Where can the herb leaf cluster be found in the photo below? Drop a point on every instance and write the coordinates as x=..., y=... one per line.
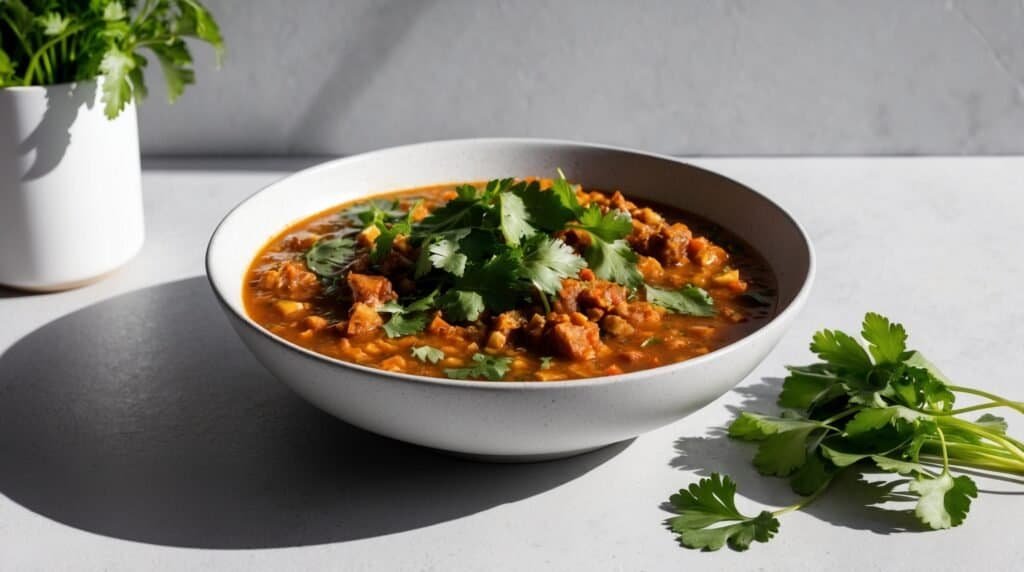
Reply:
x=880, y=406
x=44, y=42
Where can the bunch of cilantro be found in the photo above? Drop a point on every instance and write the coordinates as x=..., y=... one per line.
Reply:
x=44, y=42
x=493, y=249
x=884, y=406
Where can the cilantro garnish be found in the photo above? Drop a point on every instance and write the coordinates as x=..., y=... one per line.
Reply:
x=427, y=354
x=485, y=366
x=328, y=257
x=688, y=300
x=879, y=406
x=494, y=248
x=711, y=502
x=545, y=362
x=405, y=324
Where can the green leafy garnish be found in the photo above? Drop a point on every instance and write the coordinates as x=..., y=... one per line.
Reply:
x=546, y=261
x=883, y=407
x=328, y=257
x=405, y=324
x=708, y=518
x=545, y=362
x=608, y=254
x=688, y=300
x=45, y=43
x=427, y=354
x=485, y=367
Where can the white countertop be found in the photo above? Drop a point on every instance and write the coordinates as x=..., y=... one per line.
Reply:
x=136, y=433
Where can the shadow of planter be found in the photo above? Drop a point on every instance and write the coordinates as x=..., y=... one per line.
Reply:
x=144, y=418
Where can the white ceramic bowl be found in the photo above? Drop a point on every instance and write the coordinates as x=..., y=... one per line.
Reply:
x=510, y=420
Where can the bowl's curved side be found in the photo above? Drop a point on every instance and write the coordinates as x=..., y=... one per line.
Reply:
x=560, y=419
x=513, y=419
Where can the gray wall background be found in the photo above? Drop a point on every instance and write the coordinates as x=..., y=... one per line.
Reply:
x=690, y=77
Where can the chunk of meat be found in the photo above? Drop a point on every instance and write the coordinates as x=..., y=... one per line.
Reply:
x=506, y=322
x=579, y=296
x=370, y=290
x=575, y=341
x=601, y=294
x=439, y=327
x=640, y=315
x=362, y=319
x=668, y=244
x=291, y=280
x=617, y=326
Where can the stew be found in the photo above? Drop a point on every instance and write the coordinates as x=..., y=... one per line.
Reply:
x=515, y=280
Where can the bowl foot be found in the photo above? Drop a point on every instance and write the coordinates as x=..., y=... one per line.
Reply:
x=527, y=458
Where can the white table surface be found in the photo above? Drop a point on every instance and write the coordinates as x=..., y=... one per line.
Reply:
x=137, y=434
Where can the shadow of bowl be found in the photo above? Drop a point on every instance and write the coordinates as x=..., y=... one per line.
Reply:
x=144, y=418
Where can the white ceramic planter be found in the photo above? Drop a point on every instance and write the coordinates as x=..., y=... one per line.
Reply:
x=70, y=187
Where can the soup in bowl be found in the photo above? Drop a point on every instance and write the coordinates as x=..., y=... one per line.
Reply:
x=556, y=297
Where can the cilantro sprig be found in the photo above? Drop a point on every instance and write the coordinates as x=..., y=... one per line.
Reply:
x=43, y=43
x=484, y=367
x=879, y=406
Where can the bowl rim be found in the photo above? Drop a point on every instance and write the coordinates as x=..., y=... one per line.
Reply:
x=794, y=306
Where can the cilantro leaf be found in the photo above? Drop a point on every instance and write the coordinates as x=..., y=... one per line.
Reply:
x=801, y=389
x=688, y=300
x=887, y=341
x=427, y=354
x=712, y=501
x=388, y=234
x=841, y=351
x=485, y=366
x=609, y=226
x=373, y=211
x=546, y=261
x=944, y=500
x=898, y=466
x=870, y=419
x=566, y=194
x=461, y=305
x=813, y=475
x=116, y=66
x=330, y=256
x=444, y=254
x=782, y=453
x=515, y=223
x=548, y=211
x=405, y=324
x=614, y=261
x=754, y=427
x=545, y=362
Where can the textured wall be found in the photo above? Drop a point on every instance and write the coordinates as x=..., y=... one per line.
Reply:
x=685, y=76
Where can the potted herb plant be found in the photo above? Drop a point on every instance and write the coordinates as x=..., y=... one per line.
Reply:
x=71, y=72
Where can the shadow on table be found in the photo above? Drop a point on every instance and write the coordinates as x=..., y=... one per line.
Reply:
x=857, y=506
x=144, y=418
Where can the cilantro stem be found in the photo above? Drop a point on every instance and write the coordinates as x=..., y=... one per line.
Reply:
x=543, y=297
x=839, y=416
x=803, y=502
x=980, y=461
x=1019, y=406
x=33, y=63
x=945, y=452
x=973, y=428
